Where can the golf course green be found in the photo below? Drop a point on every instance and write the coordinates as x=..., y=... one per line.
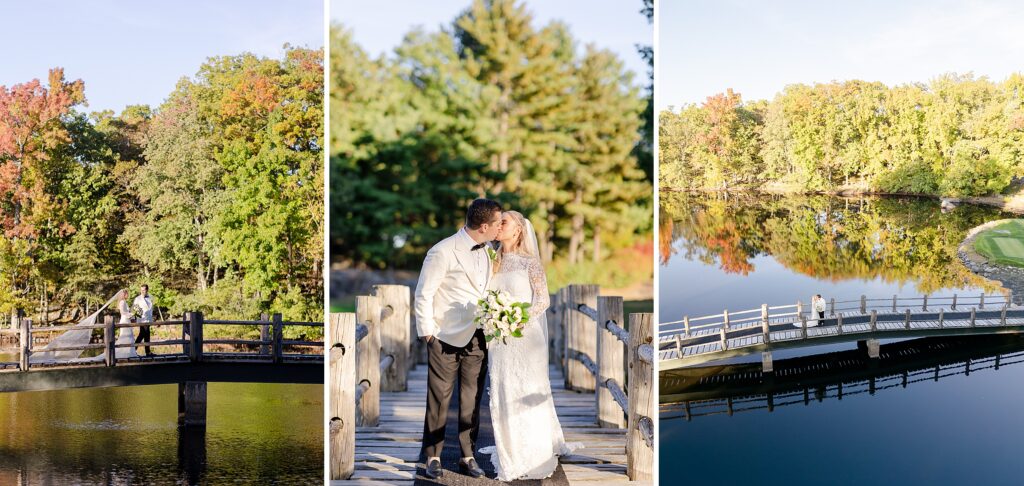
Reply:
x=1003, y=244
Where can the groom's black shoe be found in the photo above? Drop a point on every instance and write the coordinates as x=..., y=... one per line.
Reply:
x=470, y=468
x=433, y=469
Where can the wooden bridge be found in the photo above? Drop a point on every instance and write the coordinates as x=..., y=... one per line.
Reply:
x=377, y=394
x=695, y=392
x=697, y=340
x=191, y=361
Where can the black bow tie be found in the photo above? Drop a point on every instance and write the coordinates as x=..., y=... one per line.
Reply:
x=477, y=247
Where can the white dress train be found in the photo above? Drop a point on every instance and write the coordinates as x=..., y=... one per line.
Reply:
x=527, y=435
x=125, y=335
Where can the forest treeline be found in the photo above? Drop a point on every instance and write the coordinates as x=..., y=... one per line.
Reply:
x=958, y=135
x=214, y=198
x=491, y=105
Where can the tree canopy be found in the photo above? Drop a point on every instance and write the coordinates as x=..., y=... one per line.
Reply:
x=955, y=136
x=494, y=105
x=214, y=198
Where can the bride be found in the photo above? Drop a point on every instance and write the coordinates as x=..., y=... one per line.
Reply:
x=81, y=333
x=125, y=335
x=528, y=438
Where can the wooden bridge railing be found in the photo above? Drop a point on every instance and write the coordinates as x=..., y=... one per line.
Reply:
x=272, y=345
x=373, y=349
x=370, y=352
x=678, y=332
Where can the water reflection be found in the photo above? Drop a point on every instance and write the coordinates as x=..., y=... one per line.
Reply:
x=256, y=434
x=710, y=390
x=741, y=251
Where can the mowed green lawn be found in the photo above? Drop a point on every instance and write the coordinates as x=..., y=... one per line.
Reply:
x=1003, y=244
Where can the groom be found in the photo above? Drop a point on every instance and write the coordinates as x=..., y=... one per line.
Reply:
x=454, y=277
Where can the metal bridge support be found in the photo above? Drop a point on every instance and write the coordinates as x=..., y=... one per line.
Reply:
x=192, y=404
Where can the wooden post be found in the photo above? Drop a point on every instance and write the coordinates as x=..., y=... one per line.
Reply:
x=395, y=334
x=832, y=306
x=109, y=340
x=192, y=404
x=924, y=303
x=342, y=395
x=558, y=331
x=766, y=362
x=953, y=307
x=972, y=316
x=723, y=338
x=368, y=360
x=639, y=456
x=893, y=303
x=799, y=310
x=839, y=323
x=265, y=334
x=873, y=348
x=278, y=338
x=1002, y=317
x=863, y=304
x=1009, y=298
x=186, y=334
x=686, y=325
x=195, y=327
x=941, y=312
x=583, y=338
x=725, y=319
x=981, y=301
x=874, y=320
x=803, y=325
x=906, y=320
x=609, y=363
x=25, y=342
x=765, y=329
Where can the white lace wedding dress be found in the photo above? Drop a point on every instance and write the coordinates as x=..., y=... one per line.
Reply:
x=125, y=335
x=528, y=438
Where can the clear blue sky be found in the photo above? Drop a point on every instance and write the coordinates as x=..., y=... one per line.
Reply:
x=134, y=52
x=379, y=26
x=757, y=48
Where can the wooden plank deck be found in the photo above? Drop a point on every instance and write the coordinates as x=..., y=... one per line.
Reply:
x=389, y=453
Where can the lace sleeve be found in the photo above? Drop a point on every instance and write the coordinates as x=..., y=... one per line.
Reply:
x=539, y=284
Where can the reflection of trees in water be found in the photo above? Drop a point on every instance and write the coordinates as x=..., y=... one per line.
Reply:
x=825, y=237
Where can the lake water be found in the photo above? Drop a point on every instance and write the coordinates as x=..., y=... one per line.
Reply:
x=255, y=434
x=740, y=252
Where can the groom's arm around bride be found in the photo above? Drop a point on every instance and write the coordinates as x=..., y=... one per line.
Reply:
x=453, y=278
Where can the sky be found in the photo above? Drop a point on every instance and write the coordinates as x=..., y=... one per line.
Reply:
x=617, y=25
x=131, y=52
x=757, y=48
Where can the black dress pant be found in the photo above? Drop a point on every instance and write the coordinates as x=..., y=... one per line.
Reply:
x=446, y=363
x=144, y=337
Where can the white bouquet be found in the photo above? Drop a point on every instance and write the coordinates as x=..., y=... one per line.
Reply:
x=499, y=317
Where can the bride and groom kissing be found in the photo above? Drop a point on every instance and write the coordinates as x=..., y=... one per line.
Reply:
x=495, y=250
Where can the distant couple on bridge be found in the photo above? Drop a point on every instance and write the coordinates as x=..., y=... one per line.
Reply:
x=495, y=250
x=142, y=310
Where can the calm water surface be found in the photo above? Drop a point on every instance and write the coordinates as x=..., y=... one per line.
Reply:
x=740, y=252
x=256, y=434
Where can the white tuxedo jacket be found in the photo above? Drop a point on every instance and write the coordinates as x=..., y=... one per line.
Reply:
x=448, y=291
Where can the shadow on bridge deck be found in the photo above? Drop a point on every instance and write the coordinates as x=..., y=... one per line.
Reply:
x=706, y=390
